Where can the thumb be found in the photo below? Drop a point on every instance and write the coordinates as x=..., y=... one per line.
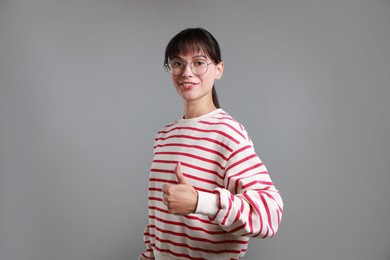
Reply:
x=180, y=177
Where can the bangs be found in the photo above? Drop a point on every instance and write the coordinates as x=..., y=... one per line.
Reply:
x=185, y=47
x=197, y=41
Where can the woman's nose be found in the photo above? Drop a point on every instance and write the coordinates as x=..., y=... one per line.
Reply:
x=187, y=71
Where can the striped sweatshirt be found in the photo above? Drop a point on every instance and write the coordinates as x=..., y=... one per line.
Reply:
x=236, y=197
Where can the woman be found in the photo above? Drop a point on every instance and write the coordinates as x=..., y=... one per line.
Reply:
x=208, y=190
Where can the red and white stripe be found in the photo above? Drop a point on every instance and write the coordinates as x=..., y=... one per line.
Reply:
x=216, y=156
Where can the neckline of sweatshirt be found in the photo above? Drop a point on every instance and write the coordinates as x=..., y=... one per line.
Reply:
x=184, y=121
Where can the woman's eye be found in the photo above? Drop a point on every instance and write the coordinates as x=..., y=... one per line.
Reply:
x=199, y=63
x=177, y=64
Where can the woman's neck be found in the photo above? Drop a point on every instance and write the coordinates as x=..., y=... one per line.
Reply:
x=193, y=110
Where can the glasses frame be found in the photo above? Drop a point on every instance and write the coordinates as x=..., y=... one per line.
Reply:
x=167, y=66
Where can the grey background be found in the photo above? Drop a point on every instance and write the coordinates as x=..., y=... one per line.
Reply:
x=83, y=93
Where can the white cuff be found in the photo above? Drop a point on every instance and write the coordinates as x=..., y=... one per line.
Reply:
x=207, y=204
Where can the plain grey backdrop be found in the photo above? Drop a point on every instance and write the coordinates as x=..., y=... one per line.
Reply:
x=83, y=92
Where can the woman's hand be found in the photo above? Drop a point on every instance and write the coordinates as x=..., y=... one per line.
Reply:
x=181, y=198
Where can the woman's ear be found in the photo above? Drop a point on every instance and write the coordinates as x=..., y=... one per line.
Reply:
x=219, y=70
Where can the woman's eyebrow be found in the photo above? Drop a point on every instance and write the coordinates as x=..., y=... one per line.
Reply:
x=199, y=56
x=176, y=57
x=193, y=57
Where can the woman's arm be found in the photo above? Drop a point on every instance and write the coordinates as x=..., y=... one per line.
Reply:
x=249, y=204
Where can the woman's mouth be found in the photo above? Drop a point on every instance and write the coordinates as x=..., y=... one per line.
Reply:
x=187, y=85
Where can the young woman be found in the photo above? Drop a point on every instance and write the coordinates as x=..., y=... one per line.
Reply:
x=208, y=190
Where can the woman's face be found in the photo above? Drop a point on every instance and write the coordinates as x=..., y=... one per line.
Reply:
x=196, y=89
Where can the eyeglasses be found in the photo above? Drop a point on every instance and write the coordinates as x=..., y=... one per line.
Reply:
x=198, y=66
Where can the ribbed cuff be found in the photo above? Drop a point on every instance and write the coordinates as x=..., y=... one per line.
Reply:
x=207, y=204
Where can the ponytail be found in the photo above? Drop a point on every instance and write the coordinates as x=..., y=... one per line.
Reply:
x=215, y=98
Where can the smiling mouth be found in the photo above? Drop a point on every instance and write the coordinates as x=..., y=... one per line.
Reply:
x=188, y=85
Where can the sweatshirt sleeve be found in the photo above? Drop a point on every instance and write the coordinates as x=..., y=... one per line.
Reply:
x=249, y=204
x=148, y=254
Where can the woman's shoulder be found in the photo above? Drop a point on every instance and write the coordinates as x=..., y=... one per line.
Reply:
x=169, y=127
x=227, y=124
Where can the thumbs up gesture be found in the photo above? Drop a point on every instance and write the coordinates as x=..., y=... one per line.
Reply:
x=181, y=198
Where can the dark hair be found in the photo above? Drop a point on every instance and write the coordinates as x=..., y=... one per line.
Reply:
x=194, y=40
